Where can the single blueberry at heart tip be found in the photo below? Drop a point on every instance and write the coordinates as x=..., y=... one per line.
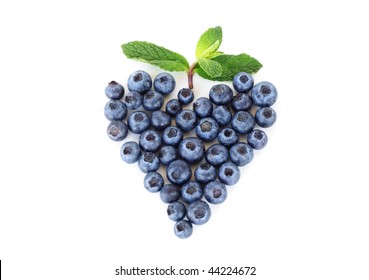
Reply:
x=203, y=107
x=243, y=82
x=176, y=211
x=205, y=173
x=130, y=152
x=191, y=149
x=264, y=94
x=170, y=193
x=115, y=110
x=185, y=96
x=191, y=191
x=229, y=173
x=221, y=94
x=164, y=83
x=183, y=229
x=207, y=129
x=117, y=130
x=153, y=182
x=257, y=139
x=138, y=122
x=150, y=140
x=178, y=172
x=139, y=81
x=215, y=192
x=172, y=135
x=198, y=212
x=114, y=90
x=173, y=107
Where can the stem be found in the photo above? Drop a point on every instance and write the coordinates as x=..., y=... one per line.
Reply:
x=190, y=75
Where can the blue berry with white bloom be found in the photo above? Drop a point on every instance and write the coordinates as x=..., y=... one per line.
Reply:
x=241, y=102
x=216, y=154
x=191, y=149
x=229, y=173
x=176, y=211
x=207, y=129
x=205, y=173
x=117, y=130
x=215, y=192
x=228, y=137
x=114, y=90
x=170, y=193
x=148, y=162
x=152, y=100
x=265, y=117
x=257, y=139
x=264, y=94
x=198, y=212
x=172, y=135
x=203, y=107
x=150, y=140
x=185, y=96
x=130, y=152
x=160, y=120
x=191, y=191
x=164, y=83
x=138, y=122
x=222, y=115
x=173, y=107
x=243, y=122
x=133, y=100
x=241, y=154
x=221, y=94
x=139, y=81
x=178, y=172
x=243, y=82
x=115, y=110
x=167, y=154
x=183, y=229
x=153, y=182
x=186, y=120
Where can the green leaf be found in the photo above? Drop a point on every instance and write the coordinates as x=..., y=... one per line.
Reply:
x=209, y=42
x=210, y=67
x=156, y=55
x=215, y=54
x=231, y=65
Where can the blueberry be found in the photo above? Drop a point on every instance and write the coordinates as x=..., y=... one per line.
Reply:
x=191, y=191
x=186, y=120
x=173, y=107
x=221, y=94
x=153, y=182
x=222, y=115
x=179, y=172
x=243, y=82
x=148, y=162
x=216, y=154
x=215, y=192
x=172, y=135
x=183, y=229
x=117, y=130
x=203, y=107
x=152, y=100
x=139, y=81
x=133, y=100
x=114, y=90
x=264, y=94
x=205, y=173
x=138, y=122
x=257, y=139
x=191, y=149
x=130, y=152
x=265, y=117
x=160, y=120
x=243, y=122
x=241, y=102
x=164, y=83
x=185, y=96
x=198, y=212
x=167, y=154
x=241, y=154
x=170, y=193
x=227, y=137
x=115, y=110
x=150, y=140
x=229, y=173
x=207, y=129
x=176, y=211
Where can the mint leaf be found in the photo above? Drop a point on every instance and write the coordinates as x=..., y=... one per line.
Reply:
x=156, y=55
x=209, y=42
x=231, y=65
x=210, y=67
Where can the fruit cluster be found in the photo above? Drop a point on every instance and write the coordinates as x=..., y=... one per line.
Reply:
x=223, y=117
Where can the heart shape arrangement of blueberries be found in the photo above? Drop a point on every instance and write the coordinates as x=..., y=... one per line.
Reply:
x=164, y=138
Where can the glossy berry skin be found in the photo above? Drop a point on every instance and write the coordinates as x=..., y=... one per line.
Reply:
x=133, y=100
x=243, y=122
x=222, y=115
x=160, y=120
x=148, y=162
x=176, y=211
x=216, y=154
x=241, y=102
x=241, y=154
x=257, y=139
x=229, y=173
x=228, y=137
x=185, y=96
x=115, y=110
x=205, y=173
x=191, y=191
x=114, y=90
x=139, y=81
x=172, y=135
x=243, y=82
x=207, y=129
x=173, y=107
x=198, y=212
x=186, y=120
x=167, y=154
x=153, y=182
x=130, y=152
x=178, y=172
x=264, y=94
x=191, y=149
x=221, y=94
x=138, y=122
x=150, y=140
x=203, y=107
x=183, y=229
x=170, y=193
x=117, y=130
x=265, y=117
x=152, y=101
x=215, y=192
x=164, y=83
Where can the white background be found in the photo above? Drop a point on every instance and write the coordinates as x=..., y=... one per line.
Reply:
x=71, y=209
